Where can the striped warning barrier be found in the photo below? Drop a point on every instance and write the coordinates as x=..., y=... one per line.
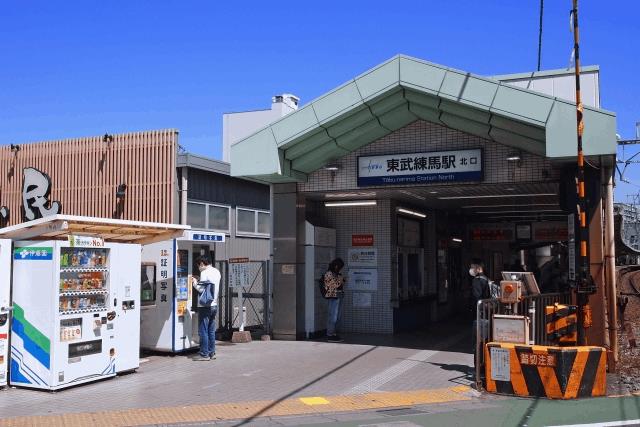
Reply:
x=542, y=371
x=561, y=323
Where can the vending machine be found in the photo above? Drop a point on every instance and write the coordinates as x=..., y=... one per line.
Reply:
x=75, y=311
x=5, y=308
x=169, y=318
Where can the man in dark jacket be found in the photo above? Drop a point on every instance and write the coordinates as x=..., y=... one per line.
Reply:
x=479, y=290
x=479, y=283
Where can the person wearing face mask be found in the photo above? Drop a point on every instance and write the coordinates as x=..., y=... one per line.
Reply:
x=480, y=283
x=479, y=290
x=207, y=314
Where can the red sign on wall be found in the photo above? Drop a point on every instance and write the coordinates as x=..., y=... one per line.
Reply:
x=362, y=240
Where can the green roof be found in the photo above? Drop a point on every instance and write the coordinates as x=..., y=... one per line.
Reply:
x=402, y=90
x=545, y=73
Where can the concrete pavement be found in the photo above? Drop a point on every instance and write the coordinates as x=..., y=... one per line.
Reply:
x=268, y=371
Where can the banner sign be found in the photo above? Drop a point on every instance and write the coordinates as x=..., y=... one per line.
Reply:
x=362, y=240
x=86, y=241
x=556, y=231
x=492, y=232
x=420, y=168
x=33, y=254
x=203, y=236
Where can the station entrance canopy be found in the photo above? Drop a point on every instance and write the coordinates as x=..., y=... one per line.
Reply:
x=403, y=90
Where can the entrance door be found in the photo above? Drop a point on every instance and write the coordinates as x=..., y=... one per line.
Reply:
x=5, y=310
x=410, y=273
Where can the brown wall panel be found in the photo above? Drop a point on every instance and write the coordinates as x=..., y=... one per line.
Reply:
x=85, y=173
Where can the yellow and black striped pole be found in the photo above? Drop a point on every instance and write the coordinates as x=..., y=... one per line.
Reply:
x=584, y=285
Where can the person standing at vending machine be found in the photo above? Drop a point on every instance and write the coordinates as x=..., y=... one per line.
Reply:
x=209, y=276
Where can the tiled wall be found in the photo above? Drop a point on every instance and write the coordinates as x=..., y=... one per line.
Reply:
x=424, y=136
x=380, y=220
x=376, y=220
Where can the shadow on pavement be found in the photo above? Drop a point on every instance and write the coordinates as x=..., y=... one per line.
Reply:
x=445, y=336
x=299, y=389
x=431, y=337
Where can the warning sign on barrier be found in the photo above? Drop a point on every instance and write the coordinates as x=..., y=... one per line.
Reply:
x=546, y=371
x=500, y=364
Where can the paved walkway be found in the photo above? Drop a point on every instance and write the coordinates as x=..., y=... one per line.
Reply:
x=263, y=378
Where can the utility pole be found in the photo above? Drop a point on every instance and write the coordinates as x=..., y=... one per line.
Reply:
x=540, y=35
x=585, y=284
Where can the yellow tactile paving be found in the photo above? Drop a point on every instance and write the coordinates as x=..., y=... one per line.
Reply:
x=314, y=401
x=244, y=410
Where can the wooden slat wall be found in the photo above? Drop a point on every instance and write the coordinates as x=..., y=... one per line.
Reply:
x=85, y=173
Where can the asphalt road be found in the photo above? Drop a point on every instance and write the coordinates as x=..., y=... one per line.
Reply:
x=502, y=412
x=512, y=412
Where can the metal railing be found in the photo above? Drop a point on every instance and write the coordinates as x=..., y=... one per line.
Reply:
x=256, y=299
x=486, y=308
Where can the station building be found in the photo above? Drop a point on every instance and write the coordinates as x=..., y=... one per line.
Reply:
x=411, y=170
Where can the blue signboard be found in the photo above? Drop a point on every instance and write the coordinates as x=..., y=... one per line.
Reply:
x=33, y=254
x=208, y=237
x=420, y=168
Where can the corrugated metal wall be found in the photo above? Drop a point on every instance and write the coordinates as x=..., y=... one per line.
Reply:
x=256, y=249
x=85, y=173
x=217, y=188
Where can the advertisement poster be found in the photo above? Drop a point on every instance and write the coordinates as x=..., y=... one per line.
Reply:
x=363, y=279
x=363, y=257
x=182, y=306
x=238, y=272
x=361, y=299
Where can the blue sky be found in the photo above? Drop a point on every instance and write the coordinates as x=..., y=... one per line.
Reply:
x=79, y=68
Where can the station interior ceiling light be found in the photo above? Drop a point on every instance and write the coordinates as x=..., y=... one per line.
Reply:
x=411, y=212
x=350, y=203
x=457, y=240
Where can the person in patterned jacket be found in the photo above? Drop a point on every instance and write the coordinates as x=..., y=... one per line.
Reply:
x=334, y=287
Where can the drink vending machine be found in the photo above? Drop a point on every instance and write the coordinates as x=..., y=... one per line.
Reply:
x=71, y=306
x=75, y=312
x=5, y=308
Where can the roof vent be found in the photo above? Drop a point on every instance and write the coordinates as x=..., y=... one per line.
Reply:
x=287, y=99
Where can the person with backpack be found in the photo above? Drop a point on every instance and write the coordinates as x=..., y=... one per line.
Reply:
x=207, y=287
x=481, y=288
x=480, y=283
x=333, y=292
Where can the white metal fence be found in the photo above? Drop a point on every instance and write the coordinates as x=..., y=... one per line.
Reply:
x=533, y=306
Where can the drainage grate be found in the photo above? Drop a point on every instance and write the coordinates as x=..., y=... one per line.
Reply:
x=397, y=412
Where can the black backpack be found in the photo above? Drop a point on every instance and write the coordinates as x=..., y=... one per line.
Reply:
x=322, y=287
